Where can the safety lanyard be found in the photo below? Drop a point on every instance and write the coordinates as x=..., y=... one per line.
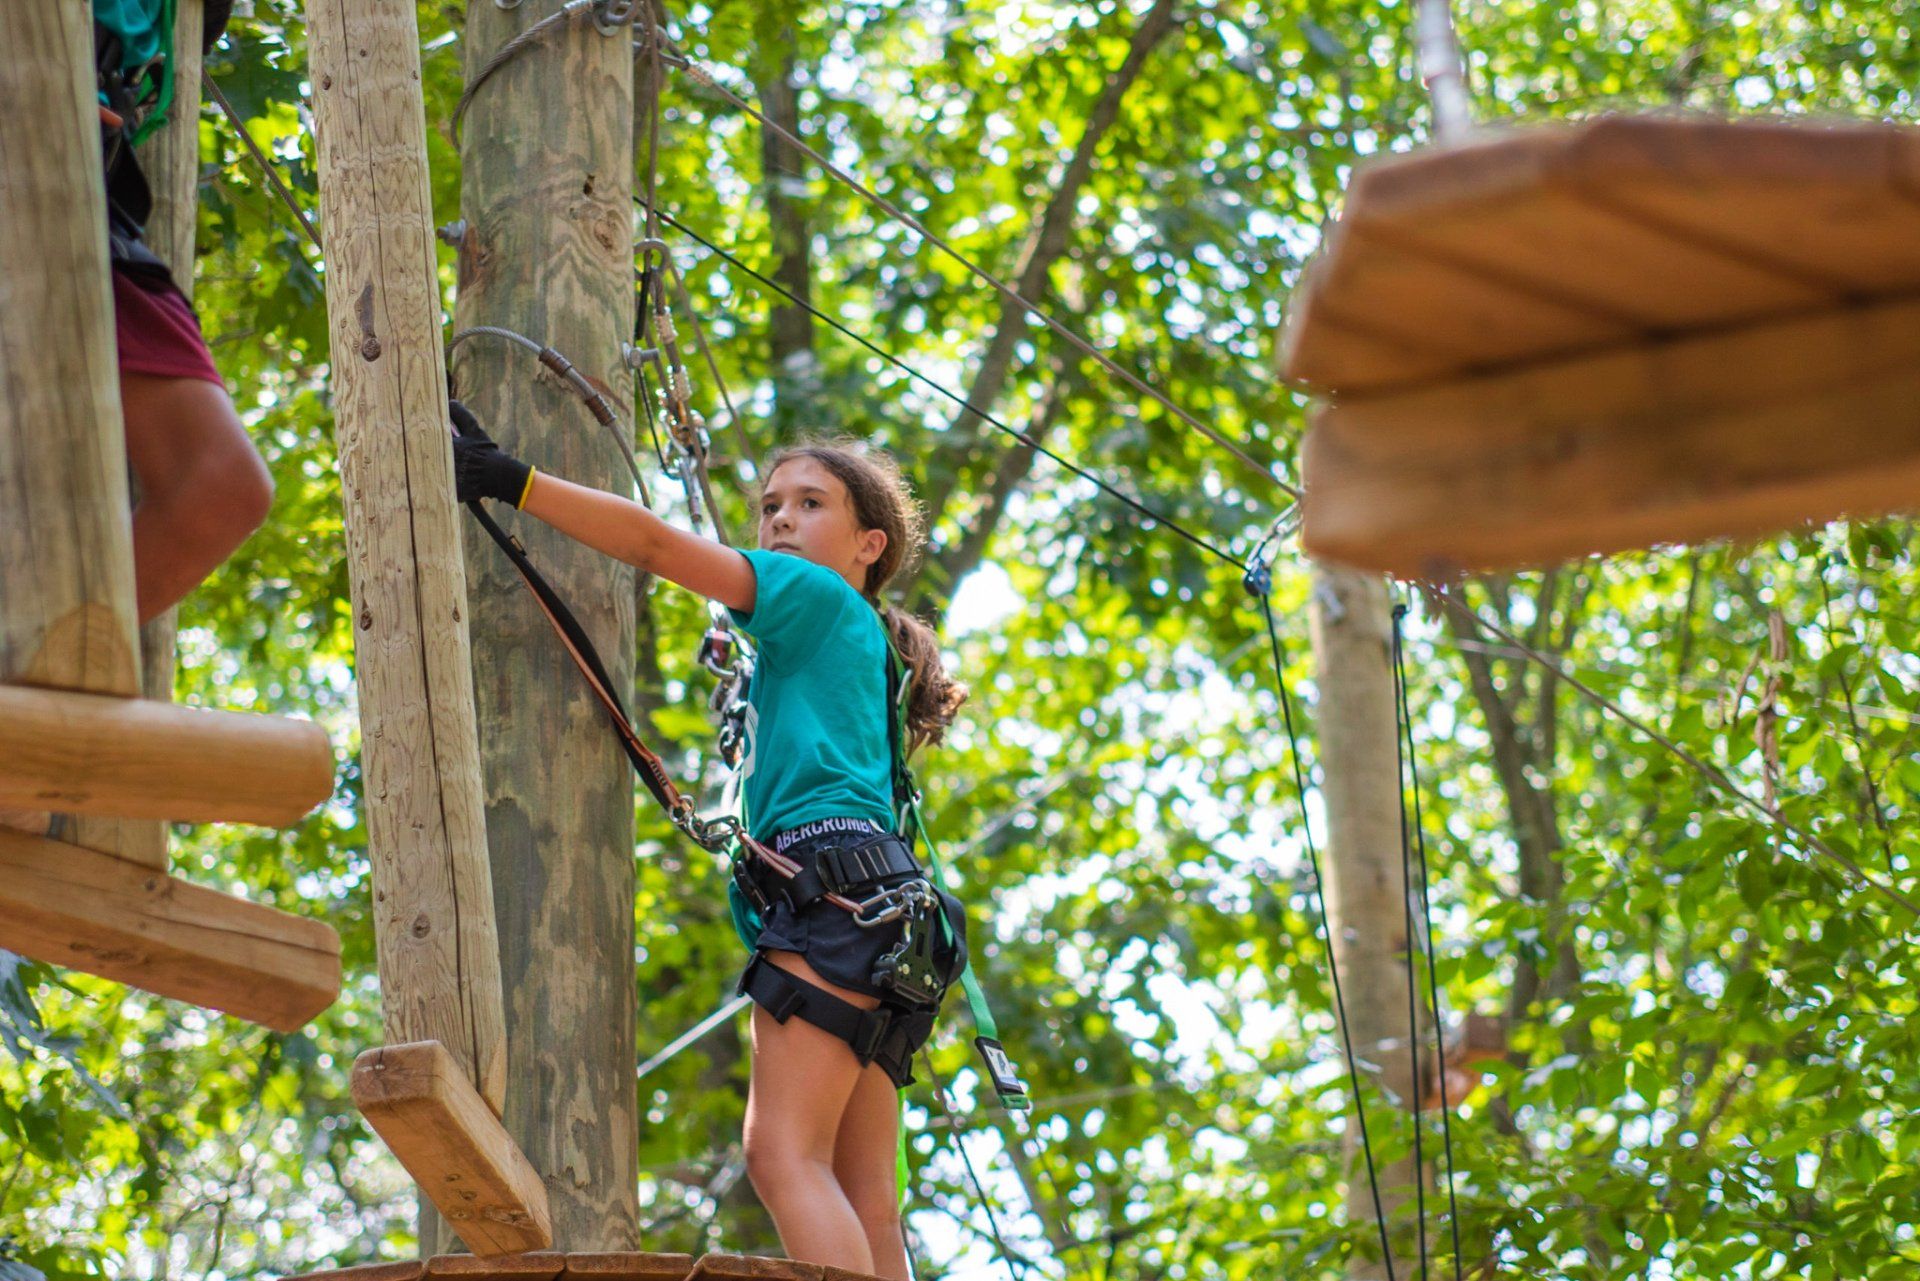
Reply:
x=1000, y=1066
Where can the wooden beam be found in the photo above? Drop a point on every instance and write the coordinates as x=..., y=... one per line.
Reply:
x=1729, y=435
x=91, y=754
x=421, y=1103
x=91, y=911
x=432, y=887
x=747, y=1267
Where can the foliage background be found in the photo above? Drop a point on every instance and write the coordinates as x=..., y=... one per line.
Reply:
x=1714, y=1078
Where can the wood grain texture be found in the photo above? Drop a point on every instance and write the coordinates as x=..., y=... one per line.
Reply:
x=66, y=550
x=420, y=1102
x=95, y=754
x=546, y=190
x=90, y=911
x=433, y=905
x=406, y=1270
x=746, y=1267
x=1648, y=227
x=535, y=1266
x=1727, y=435
x=627, y=1265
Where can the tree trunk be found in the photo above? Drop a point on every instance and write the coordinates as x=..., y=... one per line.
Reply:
x=547, y=171
x=783, y=178
x=1366, y=911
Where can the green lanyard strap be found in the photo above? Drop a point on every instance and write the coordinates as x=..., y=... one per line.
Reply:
x=1000, y=1066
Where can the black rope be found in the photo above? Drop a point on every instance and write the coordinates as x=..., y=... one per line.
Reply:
x=1404, y=715
x=1021, y=436
x=1415, y=1043
x=1008, y=1256
x=1259, y=583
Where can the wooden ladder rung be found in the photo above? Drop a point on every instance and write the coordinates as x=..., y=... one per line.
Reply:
x=93, y=912
x=421, y=1103
x=136, y=758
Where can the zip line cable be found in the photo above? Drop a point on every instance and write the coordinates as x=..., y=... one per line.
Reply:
x=1403, y=716
x=1259, y=585
x=685, y=62
x=1008, y=1255
x=1416, y=1044
x=266, y=166
x=924, y=380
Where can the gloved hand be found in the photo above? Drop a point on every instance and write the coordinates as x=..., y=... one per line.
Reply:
x=481, y=469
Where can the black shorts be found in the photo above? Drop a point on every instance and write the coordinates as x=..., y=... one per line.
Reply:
x=826, y=937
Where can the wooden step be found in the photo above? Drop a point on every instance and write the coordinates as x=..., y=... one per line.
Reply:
x=136, y=758
x=93, y=912
x=432, y=1118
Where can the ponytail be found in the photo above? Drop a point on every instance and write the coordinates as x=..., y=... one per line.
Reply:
x=933, y=697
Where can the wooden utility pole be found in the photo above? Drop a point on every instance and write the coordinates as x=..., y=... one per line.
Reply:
x=433, y=905
x=1352, y=644
x=547, y=198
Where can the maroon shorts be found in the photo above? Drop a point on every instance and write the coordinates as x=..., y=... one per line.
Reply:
x=158, y=333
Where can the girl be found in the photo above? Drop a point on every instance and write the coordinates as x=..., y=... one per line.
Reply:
x=842, y=997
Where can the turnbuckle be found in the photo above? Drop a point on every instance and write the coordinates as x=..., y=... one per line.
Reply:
x=909, y=899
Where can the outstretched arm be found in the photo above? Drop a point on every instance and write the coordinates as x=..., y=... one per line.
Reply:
x=626, y=530
x=603, y=521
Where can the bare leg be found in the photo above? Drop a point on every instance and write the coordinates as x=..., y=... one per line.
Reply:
x=802, y=1080
x=203, y=489
x=864, y=1161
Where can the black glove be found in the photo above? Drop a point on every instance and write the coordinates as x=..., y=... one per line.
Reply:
x=481, y=469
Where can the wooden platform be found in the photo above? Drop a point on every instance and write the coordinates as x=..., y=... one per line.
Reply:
x=1581, y=338
x=556, y=1266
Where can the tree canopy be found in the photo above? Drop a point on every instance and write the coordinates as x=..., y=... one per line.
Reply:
x=1708, y=1026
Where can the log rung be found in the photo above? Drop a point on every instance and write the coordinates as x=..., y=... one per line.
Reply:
x=428, y=1112
x=135, y=758
x=89, y=911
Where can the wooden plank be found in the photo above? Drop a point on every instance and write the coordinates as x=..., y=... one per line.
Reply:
x=627, y=1265
x=90, y=911
x=408, y=1270
x=1818, y=203
x=538, y=1265
x=1728, y=435
x=745, y=1267
x=438, y=949
x=1659, y=224
x=133, y=758
x=422, y=1104
x=1428, y=305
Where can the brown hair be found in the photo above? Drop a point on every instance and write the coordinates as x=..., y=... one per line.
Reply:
x=882, y=500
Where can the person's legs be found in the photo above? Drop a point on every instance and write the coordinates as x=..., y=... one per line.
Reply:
x=203, y=488
x=864, y=1161
x=802, y=1079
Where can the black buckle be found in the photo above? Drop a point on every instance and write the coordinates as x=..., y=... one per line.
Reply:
x=1005, y=1076
x=871, y=1031
x=743, y=866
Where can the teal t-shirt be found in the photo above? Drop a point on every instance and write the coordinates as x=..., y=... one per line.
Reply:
x=817, y=743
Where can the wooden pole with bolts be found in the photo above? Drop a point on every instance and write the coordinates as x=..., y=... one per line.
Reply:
x=438, y=945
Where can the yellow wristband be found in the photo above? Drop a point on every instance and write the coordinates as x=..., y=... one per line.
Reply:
x=528, y=489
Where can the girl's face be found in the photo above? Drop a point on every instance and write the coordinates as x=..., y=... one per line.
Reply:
x=806, y=511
